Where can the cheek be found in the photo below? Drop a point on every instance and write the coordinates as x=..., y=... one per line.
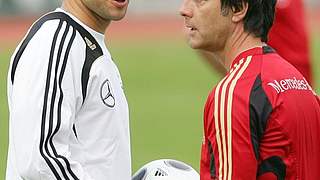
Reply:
x=207, y=29
x=207, y=22
x=95, y=6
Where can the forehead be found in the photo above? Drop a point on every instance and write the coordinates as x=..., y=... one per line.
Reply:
x=205, y=3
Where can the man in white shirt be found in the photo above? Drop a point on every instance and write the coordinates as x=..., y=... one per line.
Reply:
x=69, y=117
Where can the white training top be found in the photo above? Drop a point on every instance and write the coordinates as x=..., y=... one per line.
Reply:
x=69, y=117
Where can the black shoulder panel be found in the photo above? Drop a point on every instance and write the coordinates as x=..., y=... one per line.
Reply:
x=91, y=55
x=268, y=50
x=260, y=109
x=93, y=50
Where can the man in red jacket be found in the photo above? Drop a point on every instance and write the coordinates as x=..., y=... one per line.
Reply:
x=262, y=121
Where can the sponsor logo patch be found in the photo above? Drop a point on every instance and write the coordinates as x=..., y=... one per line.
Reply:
x=107, y=94
x=290, y=84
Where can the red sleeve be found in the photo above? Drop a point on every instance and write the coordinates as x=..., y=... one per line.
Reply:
x=206, y=149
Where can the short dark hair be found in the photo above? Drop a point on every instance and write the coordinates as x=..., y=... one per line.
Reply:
x=259, y=17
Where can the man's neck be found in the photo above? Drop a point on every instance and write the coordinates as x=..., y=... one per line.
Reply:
x=85, y=15
x=239, y=42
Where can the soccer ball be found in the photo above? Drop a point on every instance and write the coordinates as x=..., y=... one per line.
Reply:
x=166, y=169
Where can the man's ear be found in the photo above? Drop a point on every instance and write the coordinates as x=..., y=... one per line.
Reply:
x=239, y=15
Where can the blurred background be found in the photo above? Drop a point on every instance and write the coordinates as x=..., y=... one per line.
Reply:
x=166, y=82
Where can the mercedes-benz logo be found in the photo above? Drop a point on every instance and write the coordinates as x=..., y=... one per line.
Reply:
x=106, y=94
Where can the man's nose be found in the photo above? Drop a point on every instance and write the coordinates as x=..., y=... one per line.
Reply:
x=185, y=9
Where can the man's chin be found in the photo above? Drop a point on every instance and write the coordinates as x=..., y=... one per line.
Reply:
x=195, y=45
x=116, y=16
x=112, y=17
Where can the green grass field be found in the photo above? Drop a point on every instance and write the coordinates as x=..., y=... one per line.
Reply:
x=166, y=85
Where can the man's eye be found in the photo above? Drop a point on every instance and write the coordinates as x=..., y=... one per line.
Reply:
x=200, y=1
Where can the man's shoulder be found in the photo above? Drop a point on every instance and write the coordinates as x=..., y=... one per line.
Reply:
x=59, y=26
x=46, y=29
x=61, y=20
x=281, y=79
x=273, y=66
